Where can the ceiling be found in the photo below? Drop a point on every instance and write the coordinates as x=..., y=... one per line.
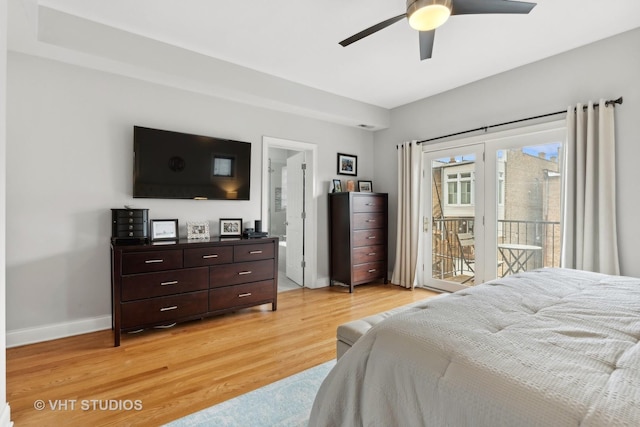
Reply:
x=297, y=40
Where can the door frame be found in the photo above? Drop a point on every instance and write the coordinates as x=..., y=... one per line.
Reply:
x=426, y=278
x=311, y=229
x=492, y=141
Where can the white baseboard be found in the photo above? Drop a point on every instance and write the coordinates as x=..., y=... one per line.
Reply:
x=5, y=416
x=25, y=336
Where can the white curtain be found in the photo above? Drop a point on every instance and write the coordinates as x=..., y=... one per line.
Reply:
x=589, y=240
x=408, y=224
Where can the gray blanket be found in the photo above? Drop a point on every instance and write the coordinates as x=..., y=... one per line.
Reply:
x=551, y=347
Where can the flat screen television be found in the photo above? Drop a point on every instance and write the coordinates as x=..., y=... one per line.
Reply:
x=174, y=165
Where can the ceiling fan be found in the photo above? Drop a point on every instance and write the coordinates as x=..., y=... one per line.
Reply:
x=427, y=15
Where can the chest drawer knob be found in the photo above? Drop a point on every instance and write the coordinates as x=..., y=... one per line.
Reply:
x=172, y=282
x=247, y=294
x=173, y=307
x=243, y=273
x=255, y=252
x=153, y=261
x=371, y=253
x=373, y=270
x=209, y=256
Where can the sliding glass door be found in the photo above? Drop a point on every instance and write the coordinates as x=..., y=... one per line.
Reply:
x=492, y=206
x=453, y=207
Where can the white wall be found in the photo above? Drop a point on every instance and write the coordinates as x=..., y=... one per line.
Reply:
x=606, y=69
x=5, y=415
x=69, y=161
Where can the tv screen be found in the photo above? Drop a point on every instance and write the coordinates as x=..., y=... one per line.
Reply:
x=174, y=165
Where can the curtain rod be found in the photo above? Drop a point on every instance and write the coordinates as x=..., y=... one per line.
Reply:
x=486, y=128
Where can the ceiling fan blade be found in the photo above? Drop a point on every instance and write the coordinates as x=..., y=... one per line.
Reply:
x=426, y=44
x=364, y=33
x=472, y=7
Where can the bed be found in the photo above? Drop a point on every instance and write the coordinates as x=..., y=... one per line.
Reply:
x=550, y=347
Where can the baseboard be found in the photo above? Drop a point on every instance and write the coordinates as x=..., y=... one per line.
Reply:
x=59, y=330
x=5, y=416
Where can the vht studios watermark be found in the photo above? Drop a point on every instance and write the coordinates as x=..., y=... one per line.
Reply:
x=88, y=405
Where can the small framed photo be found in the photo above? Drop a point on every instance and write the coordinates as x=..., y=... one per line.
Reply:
x=164, y=229
x=337, y=186
x=365, y=186
x=197, y=229
x=230, y=227
x=347, y=164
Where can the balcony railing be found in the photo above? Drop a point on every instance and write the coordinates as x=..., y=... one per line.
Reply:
x=449, y=260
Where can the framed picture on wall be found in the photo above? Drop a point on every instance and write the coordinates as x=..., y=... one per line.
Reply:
x=347, y=164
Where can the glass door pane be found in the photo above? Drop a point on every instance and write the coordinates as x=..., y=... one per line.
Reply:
x=528, y=184
x=453, y=203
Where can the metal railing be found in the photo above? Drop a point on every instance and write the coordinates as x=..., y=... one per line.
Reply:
x=449, y=260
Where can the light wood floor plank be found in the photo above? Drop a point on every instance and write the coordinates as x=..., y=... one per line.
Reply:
x=181, y=370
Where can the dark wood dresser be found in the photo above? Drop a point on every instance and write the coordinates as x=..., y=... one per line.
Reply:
x=158, y=284
x=357, y=238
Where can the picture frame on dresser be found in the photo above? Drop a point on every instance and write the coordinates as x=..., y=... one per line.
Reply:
x=163, y=229
x=365, y=186
x=230, y=227
x=197, y=229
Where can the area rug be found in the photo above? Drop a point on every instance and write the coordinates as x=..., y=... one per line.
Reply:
x=285, y=403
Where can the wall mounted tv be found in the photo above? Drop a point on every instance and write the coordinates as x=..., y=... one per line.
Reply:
x=174, y=165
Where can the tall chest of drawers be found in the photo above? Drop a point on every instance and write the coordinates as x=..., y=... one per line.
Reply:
x=161, y=284
x=358, y=238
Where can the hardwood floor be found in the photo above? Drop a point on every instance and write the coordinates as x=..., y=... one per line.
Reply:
x=161, y=375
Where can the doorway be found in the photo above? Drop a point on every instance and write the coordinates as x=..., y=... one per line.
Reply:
x=492, y=206
x=288, y=209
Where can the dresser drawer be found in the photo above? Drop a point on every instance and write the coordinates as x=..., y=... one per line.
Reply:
x=242, y=272
x=131, y=227
x=366, y=254
x=164, y=309
x=369, y=237
x=143, y=262
x=121, y=214
x=362, y=221
x=369, y=204
x=368, y=272
x=239, y=295
x=253, y=252
x=208, y=256
x=147, y=285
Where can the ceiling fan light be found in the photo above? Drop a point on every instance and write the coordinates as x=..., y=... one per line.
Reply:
x=426, y=15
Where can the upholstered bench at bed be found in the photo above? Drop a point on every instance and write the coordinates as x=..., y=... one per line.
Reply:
x=350, y=332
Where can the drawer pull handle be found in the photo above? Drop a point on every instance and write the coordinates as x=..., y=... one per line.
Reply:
x=255, y=252
x=248, y=294
x=371, y=204
x=173, y=282
x=243, y=273
x=371, y=253
x=373, y=270
x=153, y=261
x=371, y=220
x=371, y=237
x=209, y=256
x=173, y=307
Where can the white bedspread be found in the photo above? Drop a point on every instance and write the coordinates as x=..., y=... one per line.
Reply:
x=551, y=347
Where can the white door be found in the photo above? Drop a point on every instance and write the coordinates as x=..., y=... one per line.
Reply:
x=453, y=183
x=295, y=217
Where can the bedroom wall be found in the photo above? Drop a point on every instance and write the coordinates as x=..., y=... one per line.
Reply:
x=605, y=69
x=69, y=161
x=5, y=412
